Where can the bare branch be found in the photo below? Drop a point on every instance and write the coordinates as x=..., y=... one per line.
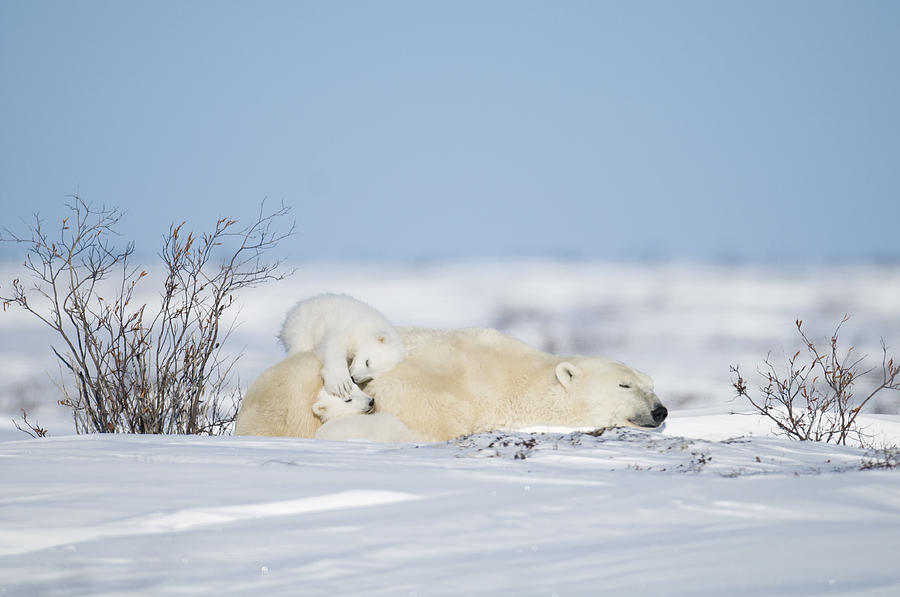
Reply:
x=32, y=429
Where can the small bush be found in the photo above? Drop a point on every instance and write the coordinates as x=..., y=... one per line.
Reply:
x=885, y=458
x=814, y=398
x=134, y=368
x=31, y=428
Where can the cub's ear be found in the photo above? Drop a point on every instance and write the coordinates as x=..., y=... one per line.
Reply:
x=567, y=374
x=320, y=410
x=382, y=338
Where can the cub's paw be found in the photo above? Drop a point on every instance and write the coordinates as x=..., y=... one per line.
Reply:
x=339, y=384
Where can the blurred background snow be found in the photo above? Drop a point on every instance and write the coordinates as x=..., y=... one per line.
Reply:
x=682, y=324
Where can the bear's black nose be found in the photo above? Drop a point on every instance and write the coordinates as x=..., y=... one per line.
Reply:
x=659, y=414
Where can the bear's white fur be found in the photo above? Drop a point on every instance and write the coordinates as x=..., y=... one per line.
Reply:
x=377, y=427
x=328, y=406
x=281, y=399
x=353, y=340
x=459, y=382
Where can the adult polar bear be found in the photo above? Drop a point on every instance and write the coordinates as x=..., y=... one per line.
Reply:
x=459, y=382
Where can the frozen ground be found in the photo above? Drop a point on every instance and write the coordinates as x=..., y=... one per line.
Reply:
x=628, y=512
x=711, y=505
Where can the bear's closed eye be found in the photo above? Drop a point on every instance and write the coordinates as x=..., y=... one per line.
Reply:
x=624, y=385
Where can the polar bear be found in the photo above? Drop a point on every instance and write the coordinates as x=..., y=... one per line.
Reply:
x=353, y=340
x=459, y=382
x=342, y=421
x=329, y=407
x=296, y=411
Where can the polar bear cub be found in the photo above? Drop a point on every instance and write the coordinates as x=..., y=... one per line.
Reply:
x=354, y=341
x=329, y=407
x=341, y=422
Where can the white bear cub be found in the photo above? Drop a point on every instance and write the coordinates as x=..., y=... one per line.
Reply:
x=343, y=422
x=329, y=407
x=354, y=341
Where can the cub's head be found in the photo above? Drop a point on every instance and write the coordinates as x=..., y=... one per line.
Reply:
x=376, y=355
x=612, y=393
x=328, y=406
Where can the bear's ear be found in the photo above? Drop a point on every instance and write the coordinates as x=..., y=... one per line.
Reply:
x=382, y=338
x=567, y=374
x=320, y=409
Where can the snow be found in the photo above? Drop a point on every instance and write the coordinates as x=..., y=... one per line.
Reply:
x=497, y=514
x=714, y=503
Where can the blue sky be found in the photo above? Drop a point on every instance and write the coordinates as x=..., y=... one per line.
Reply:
x=407, y=131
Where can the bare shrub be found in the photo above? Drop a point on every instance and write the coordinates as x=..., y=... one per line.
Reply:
x=31, y=428
x=885, y=458
x=814, y=398
x=134, y=368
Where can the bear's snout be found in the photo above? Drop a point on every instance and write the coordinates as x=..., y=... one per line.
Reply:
x=659, y=414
